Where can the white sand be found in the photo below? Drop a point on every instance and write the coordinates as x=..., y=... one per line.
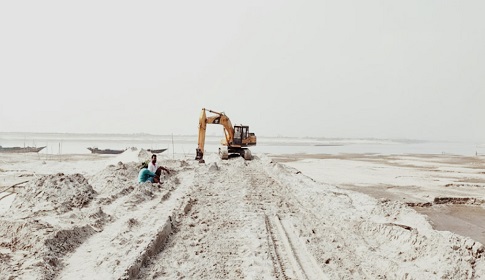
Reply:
x=428, y=177
x=225, y=220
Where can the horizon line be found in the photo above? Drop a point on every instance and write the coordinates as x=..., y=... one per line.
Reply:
x=264, y=136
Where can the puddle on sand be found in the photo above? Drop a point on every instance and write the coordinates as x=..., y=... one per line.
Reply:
x=465, y=220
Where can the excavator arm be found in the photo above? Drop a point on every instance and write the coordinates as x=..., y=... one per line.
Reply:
x=217, y=118
x=201, y=140
x=222, y=119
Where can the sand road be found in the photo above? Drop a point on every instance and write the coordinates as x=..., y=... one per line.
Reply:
x=222, y=220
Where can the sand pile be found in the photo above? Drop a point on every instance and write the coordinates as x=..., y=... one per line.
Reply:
x=35, y=247
x=144, y=155
x=54, y=214
x=115, y=177
x=48, y=219
x=53, y=193
x=131, y=155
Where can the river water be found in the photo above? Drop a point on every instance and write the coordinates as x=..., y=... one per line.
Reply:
x=59, y=143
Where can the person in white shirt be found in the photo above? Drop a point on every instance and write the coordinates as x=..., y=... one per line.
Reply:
x=153, y=167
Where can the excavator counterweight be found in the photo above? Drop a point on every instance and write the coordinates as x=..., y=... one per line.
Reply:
x=237, y=138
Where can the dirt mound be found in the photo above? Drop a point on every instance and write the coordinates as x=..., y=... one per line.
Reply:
x=59, y=193
x=49, y=218
x=44, y=244
x=142, y=193
x=144, y=155
x=115, y=177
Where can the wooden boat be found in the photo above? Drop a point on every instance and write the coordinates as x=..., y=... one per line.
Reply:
x=105, y=151
x=157, y=151
x=20, y=149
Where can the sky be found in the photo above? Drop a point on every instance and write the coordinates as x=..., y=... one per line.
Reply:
x=409, y=69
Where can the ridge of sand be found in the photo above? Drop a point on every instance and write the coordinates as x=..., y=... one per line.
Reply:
x=224, y=219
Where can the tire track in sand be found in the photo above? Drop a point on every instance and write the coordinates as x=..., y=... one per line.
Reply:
x=286, y=245
x=228, y=233
x=121, y=248
x=288, y=252
x=220, y=237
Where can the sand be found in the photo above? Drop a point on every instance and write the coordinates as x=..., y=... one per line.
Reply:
x=324, y=217
x=450, y=190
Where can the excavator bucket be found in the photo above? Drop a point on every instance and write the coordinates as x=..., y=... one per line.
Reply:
x=199, y=155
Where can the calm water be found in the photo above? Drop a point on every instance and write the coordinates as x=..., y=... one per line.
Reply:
x=78, y=143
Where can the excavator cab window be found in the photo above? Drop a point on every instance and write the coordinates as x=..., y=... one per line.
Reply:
x=238, y=133
x=245, y=132
x=241, y=133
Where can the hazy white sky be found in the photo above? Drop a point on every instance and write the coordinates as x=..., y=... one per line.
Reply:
x=386, y=69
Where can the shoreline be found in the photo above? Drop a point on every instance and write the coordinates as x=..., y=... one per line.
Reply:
x=467, y=182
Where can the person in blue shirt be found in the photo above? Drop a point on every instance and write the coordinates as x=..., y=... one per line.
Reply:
x=146, y=175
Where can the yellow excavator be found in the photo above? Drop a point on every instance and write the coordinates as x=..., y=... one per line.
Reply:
x=236, y=139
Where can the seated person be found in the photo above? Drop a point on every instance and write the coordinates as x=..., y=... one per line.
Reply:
x=153, y=166
x=146, y=175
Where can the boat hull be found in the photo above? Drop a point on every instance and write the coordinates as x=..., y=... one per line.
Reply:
x=105, y=151
x=20, y=149
x=157, y=151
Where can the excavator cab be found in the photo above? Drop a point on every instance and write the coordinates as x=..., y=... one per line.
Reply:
x=241, y=139
x=240, y=133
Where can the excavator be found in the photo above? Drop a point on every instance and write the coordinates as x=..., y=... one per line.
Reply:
x=236, y=139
